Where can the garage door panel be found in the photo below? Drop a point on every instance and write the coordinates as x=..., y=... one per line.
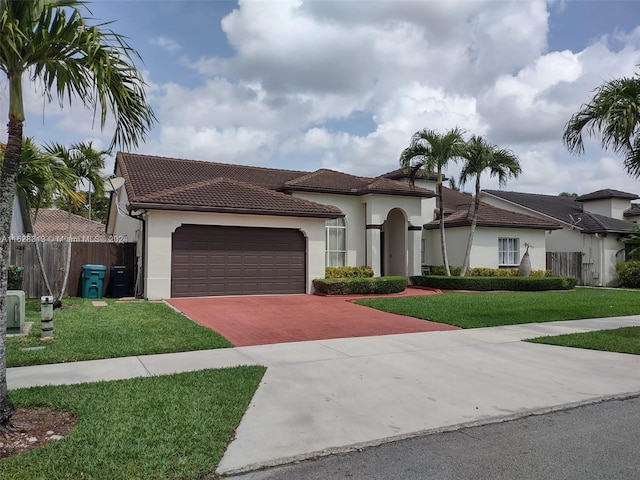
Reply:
x=220, y=260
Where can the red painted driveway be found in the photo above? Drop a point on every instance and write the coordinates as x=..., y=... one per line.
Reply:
x=261, y=320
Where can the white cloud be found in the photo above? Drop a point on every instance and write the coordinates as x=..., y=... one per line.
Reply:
x=296, y=66
x=166, y=43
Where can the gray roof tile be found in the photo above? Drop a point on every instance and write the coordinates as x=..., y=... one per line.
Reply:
x=605, y=194
x=567, y=210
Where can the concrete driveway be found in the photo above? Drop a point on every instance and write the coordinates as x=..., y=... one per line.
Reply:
x=263, y=320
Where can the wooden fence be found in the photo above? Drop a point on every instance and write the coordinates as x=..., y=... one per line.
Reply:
x=566, y=263
x=54, y=254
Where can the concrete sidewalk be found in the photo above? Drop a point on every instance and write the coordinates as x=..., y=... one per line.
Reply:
x=327, y=396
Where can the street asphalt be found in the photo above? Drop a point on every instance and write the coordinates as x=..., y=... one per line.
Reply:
x=331, y=396
x=593, y=442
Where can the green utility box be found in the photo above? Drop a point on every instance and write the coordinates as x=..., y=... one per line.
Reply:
x=15, y=311
x=93, y=281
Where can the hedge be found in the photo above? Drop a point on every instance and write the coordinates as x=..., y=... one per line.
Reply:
x=629, y=273
x=348, y=272
x=346, y=286
x=494, y=283
x=485, y=272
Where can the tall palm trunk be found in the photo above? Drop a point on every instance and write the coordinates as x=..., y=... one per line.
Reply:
x=7, y=189
x=443, y=243
x=43, y=272
x=472, y=231
x=67, y=266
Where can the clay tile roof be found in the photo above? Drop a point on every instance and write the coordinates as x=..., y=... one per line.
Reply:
x=231, y=196
x=490, y=216
x=52, y=224
x=453, y=199
x=171, y=183
x=325, y=179
x=148, y=174
x=399, y=174
x=386, y=185
x=607, y=193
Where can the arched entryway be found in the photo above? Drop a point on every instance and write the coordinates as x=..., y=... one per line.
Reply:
x=394, y=243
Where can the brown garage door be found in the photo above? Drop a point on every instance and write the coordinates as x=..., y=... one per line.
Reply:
x=214, y=260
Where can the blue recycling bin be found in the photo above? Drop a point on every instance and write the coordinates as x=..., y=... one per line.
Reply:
x=93, y=280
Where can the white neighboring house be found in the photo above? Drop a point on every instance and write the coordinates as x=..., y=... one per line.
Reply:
x=206, y=228
x=20, y=219
x=592, y=225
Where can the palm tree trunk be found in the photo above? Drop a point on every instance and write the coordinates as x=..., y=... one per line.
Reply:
x=7, y=190
x=67, y=266
x=443, y=243
x=472, y=230
x=45, y=276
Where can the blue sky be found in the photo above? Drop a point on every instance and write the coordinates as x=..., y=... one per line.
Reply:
x=344, y=84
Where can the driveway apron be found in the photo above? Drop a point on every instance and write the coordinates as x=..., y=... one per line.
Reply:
x=262, y=320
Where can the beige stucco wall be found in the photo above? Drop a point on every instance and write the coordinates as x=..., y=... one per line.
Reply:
x=353, y=209
x=484, y=252
x=363, y=245
x=610, y=207
x=119, y=222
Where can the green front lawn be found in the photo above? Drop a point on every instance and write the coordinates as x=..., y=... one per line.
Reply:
x=474, y=310
x=621, y=340
x=167, y=427
x=123, y=328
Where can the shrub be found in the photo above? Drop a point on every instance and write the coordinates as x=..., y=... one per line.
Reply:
x=348, y=272
x=629, y=273
x=495, y=283
x=360, y=286
x=485, y=272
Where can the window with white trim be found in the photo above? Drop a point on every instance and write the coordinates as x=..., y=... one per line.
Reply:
x=508, y=252
x=336, y=243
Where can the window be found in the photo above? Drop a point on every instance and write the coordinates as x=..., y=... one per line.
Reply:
x=508, y=251
x=423, y=251
x=336, y=233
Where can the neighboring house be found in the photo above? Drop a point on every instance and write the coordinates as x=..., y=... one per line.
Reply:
x=53, y=224
x=20, y=221
x=500, y=238
x=207, y=228
x=592, y=226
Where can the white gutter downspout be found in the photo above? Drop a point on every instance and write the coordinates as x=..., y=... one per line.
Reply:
x=601, y=266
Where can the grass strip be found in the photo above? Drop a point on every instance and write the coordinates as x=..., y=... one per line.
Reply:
x=621, y=340
x=121, y=329
x=166, y=427
x=474, y=310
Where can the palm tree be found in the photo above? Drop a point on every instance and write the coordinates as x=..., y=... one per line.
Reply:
x=85, y=164
x=49, y=41
x=40, y=178
x=614, y=112
x=480, y=157
x=430, y=151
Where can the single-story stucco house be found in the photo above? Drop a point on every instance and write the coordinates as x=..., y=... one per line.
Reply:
x=206, y=228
